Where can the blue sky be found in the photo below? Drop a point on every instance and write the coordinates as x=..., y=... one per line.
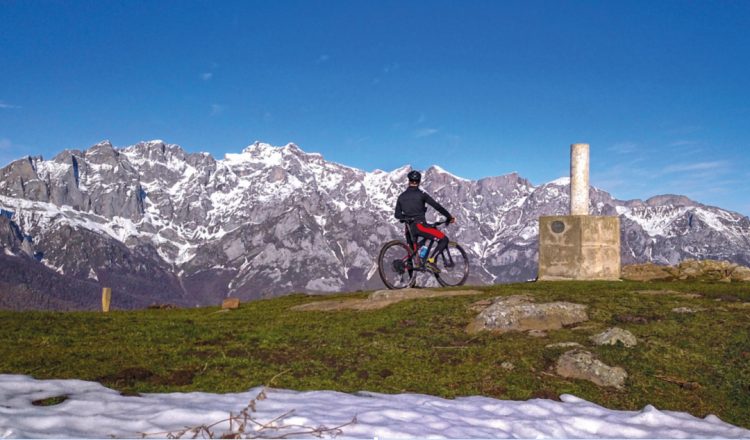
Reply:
x=660, y=89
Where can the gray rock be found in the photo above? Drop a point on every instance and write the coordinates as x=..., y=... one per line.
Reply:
x=517, y=313
x=564, y=345
x=613, y=336
x=689, y=269
x=581, y=364
x=685, y=310
x=11, y=238
x=507, y=366
x=20, y=180
x=741, y=273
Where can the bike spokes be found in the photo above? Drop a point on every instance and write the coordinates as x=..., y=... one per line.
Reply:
x=454, y=266
x=395, y=265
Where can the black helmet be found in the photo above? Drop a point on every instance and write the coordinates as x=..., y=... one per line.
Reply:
x=414, y=176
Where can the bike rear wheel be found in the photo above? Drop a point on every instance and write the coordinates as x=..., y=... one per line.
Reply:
x=453, y=264
x=395, y=265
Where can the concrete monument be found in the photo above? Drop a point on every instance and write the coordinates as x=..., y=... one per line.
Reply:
x=579, y=246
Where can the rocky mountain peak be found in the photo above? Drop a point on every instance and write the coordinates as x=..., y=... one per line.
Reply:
x=670, y=199
x=102, y=153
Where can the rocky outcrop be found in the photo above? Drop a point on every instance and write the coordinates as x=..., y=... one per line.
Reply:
x=581, y=364
x=519, y=313
x=11, y=238
x=740, y=273
x=380, y=299
x=647, y=272
x=693, y=270
x=614, y=336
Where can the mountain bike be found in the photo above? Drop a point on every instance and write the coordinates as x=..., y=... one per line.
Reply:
x=399, y=264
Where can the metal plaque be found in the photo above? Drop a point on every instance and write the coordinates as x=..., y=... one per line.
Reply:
x=557, y=226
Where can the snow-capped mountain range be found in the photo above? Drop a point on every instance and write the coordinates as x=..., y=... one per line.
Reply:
x=160, y=225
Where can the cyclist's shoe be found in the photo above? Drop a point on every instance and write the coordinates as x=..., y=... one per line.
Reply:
x=429, y=264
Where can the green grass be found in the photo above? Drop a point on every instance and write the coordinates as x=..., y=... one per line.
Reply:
x=417, y=346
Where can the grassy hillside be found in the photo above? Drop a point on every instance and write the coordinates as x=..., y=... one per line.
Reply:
x=699, y=362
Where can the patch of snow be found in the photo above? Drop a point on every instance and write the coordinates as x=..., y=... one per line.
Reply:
x=57, y=269
x=320, y=220
x=93, y=411
x=714, y=220
x=47, y=169
x=443, y=171
x=654, y=220
x=324, y=284
x=560, y=181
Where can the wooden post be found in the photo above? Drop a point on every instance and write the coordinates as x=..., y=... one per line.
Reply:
x=106, y=298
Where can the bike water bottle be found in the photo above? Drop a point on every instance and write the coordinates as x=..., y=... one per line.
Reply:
x=423, y=252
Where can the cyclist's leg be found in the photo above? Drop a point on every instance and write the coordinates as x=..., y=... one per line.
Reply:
x=409, y=241
x=437, y=235
x=412, y=236
x=442, y=244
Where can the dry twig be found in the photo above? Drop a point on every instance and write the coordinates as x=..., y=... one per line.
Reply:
x=244, y=426
x=688, y=385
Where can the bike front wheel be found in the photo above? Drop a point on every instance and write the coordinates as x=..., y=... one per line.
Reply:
x=395, y=265
x=453, y=264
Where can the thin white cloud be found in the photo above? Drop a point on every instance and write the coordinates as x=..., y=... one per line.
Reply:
x=322, y=59
x=683, y=143
x=628, y=179
x=357, y=141
x=207, y=76
x=682, y=130
x=698, y=166
x=391, y=68
x=5, y=105
x=425, y=132
x=624, y=148
x=217, y=109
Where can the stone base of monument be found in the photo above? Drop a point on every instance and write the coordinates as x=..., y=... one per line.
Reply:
x=579, y=247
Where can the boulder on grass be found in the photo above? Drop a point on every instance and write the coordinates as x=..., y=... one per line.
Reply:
x=230, y=303
x=518, y=313
x=741, y=273
x=614, y=335
x=647, y=272
x=581, y=364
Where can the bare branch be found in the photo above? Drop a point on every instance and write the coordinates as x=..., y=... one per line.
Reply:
x=264, y=430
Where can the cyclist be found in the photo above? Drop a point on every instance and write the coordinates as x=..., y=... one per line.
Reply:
x=411, y=209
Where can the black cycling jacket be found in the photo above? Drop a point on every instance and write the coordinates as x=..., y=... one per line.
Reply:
x=411, y=205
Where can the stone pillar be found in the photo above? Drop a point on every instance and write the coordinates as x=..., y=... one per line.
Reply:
x=579, y=179
x=579, y=246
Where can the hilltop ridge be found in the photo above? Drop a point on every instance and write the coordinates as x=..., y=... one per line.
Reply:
x=163, y=225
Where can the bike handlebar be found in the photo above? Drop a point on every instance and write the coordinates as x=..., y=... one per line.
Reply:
x=442, y=222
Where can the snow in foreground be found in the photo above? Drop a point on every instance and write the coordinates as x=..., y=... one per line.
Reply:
x=94, y=411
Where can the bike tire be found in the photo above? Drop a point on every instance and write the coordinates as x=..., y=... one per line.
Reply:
x=456, y=275
x=390, y=275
